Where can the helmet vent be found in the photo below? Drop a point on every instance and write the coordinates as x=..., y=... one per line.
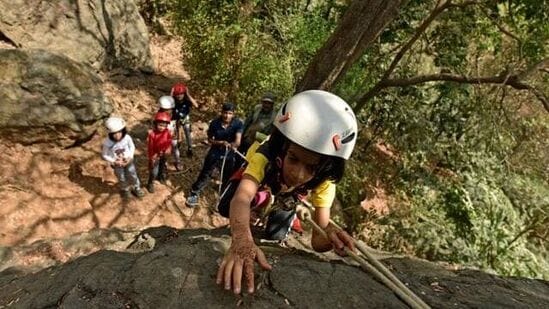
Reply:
x=348, y=138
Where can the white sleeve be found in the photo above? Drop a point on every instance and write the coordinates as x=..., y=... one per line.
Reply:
x=107, y=153
x=131, y=148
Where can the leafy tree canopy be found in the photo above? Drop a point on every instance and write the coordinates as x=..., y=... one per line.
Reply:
x=453, y=91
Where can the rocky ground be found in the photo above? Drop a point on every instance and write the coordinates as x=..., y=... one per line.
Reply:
x=168, y=268
x=50, y=194
x=61, y=208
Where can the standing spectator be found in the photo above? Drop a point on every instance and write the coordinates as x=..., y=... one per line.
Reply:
x=259, y=120
x=118, y=150
x=224, y=135
x=166, y=104
x=159, y=144
x=183, y=103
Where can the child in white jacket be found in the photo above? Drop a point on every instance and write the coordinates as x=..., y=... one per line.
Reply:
x=118, y=150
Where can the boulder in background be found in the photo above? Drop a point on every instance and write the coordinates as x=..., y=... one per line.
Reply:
x=48, y=98
x=97, y=32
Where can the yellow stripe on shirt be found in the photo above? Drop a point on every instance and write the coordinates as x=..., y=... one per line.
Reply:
x=321, y=196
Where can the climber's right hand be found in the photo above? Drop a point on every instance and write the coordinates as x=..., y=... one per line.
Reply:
x=238, y=261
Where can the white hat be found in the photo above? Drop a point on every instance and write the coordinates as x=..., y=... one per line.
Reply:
x=166, y=102
x=319, y=121
x=115, y=124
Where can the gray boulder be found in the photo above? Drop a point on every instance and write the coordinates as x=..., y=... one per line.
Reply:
x=48, y=98
x=167, y=268
x=97, y=32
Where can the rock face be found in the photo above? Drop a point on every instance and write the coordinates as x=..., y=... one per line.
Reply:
x=166, y=268
x=48, y=98
x=97, y=32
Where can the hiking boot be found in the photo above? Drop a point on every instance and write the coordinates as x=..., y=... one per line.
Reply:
x=150, y=186
x=138, y=192
x=189, y=153
x=192, y=200
x=162, y=178
x=125, y=194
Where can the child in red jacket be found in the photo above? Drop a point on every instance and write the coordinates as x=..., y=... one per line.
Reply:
x=159, y=144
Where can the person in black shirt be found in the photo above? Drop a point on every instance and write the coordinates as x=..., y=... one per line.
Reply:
x=224, y=135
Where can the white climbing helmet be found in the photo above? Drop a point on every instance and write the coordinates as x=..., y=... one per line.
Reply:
x=115, y=124
x=166, y=102
x=319, y=121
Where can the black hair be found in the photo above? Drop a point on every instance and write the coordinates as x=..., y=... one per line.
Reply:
x=111, y=135
x=331, y=168
x=227, y=106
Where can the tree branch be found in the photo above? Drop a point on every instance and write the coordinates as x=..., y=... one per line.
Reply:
x=501, y=79
x=540, y=66
x=501, y=28
x=348, y=41
x=540, y=95
x=419, y=31
x=439, y=8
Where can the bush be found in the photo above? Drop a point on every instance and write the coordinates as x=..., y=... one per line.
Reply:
x=242, y=51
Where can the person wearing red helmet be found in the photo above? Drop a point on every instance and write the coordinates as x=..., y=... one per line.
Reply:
x=159, y=144
x=183, y=103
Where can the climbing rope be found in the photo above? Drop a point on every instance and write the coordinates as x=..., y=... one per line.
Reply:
x=222, y=168
x=370, y=264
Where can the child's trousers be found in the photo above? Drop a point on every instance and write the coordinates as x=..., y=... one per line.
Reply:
x=126, y=175
x=158, y=169
x=175, y=151
x=185, y=122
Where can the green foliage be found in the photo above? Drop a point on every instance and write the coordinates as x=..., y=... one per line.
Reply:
x=451, y=43
x=245, y=48
x=487, y=230
x=471, y=185
x=470, y=179
x=528, y=18
x=467, y=179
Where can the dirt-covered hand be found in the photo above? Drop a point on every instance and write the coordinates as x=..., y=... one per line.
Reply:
x=340, y=239
x=239, y=262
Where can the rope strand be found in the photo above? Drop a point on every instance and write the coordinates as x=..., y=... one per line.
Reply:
x=378, y=269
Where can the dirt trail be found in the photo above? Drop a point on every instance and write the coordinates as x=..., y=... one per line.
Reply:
x=53, y=193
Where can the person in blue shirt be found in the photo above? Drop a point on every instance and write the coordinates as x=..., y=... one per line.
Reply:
x=224, y=136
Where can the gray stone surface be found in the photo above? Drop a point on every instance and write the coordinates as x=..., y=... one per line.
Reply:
x=48, y=98
x=97, y=32
x=179, y=272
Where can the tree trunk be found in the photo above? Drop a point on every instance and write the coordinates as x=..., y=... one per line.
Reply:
x=361, y=24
